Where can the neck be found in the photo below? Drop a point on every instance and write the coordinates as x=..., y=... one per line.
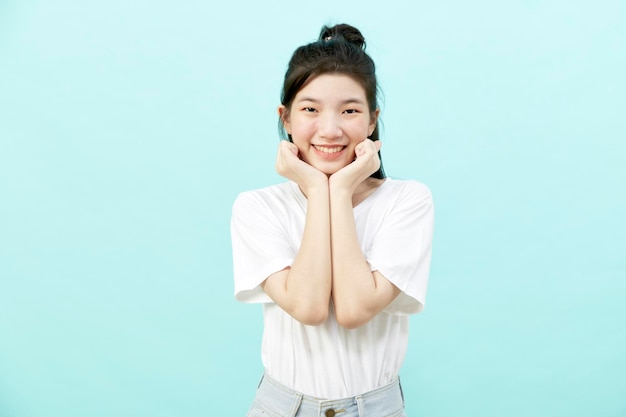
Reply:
x=364, y=189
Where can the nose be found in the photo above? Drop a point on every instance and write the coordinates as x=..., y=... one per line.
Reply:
x=329, y=126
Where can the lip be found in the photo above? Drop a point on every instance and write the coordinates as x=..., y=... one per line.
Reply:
x=332, y=151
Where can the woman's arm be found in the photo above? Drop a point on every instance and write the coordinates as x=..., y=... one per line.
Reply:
x=358, y=293
x=303, y=290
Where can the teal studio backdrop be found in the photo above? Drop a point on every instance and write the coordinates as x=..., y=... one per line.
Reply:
x=128, y=128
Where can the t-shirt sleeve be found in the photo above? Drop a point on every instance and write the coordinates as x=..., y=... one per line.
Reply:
x=260, y=247
x=401, y=249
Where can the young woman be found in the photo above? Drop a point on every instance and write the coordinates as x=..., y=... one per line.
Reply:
x=339, y=254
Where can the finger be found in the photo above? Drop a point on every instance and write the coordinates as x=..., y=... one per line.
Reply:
x=367, y=146
x=376, y=145
x=289, y=147
x=358, y=149
x=292, y=148
x=362, y=148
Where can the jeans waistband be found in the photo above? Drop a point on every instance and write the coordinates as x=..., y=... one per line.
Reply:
x=386, y=400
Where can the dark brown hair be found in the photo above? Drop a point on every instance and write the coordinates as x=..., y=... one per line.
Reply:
x=339, y=49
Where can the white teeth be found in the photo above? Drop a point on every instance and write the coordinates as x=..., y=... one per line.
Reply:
x=328, y=149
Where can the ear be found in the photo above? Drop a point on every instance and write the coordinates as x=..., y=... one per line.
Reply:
x=373, y=121
x=283, y=113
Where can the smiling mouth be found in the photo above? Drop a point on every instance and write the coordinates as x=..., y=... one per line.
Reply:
x=329, y=149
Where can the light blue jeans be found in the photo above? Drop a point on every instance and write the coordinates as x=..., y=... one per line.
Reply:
x=276, y=400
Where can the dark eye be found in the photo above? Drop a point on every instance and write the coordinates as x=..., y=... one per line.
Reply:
x=351, y=111
x=309, y=109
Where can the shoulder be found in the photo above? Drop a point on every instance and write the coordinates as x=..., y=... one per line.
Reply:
x=408, y=191
x=265, y=195
x=276, y=200
x=410, y=186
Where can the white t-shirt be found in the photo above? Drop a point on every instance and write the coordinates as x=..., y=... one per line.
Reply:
x=394, y=225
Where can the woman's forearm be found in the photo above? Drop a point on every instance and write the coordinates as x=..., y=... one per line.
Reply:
x=358, y=293
x=303, y=290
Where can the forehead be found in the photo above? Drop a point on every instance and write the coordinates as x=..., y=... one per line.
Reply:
x=332, y=87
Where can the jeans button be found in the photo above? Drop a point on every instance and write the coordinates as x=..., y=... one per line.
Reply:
x=330, y=413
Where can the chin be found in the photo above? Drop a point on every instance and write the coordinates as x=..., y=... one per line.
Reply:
x=330, y=170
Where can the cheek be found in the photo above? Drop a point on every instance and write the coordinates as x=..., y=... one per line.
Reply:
x=360, y=131
x=302, y=130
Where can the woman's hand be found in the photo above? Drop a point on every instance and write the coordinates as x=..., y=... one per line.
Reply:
x=365, y=164
x=290, y=166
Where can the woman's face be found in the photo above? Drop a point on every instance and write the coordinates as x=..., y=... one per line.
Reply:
x=327, y=119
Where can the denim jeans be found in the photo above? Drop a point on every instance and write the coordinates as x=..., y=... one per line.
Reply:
x=275, y=400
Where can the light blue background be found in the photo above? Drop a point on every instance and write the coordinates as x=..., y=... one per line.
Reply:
x=127, y=128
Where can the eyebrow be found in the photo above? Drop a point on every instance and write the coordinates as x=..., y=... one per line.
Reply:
x=346, y=101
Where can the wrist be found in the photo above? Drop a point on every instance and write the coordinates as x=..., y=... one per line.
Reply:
x=315, y=189
x=338, y=184
x=339, y=189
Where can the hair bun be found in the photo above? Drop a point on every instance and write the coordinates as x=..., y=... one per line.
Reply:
x=343, y=31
